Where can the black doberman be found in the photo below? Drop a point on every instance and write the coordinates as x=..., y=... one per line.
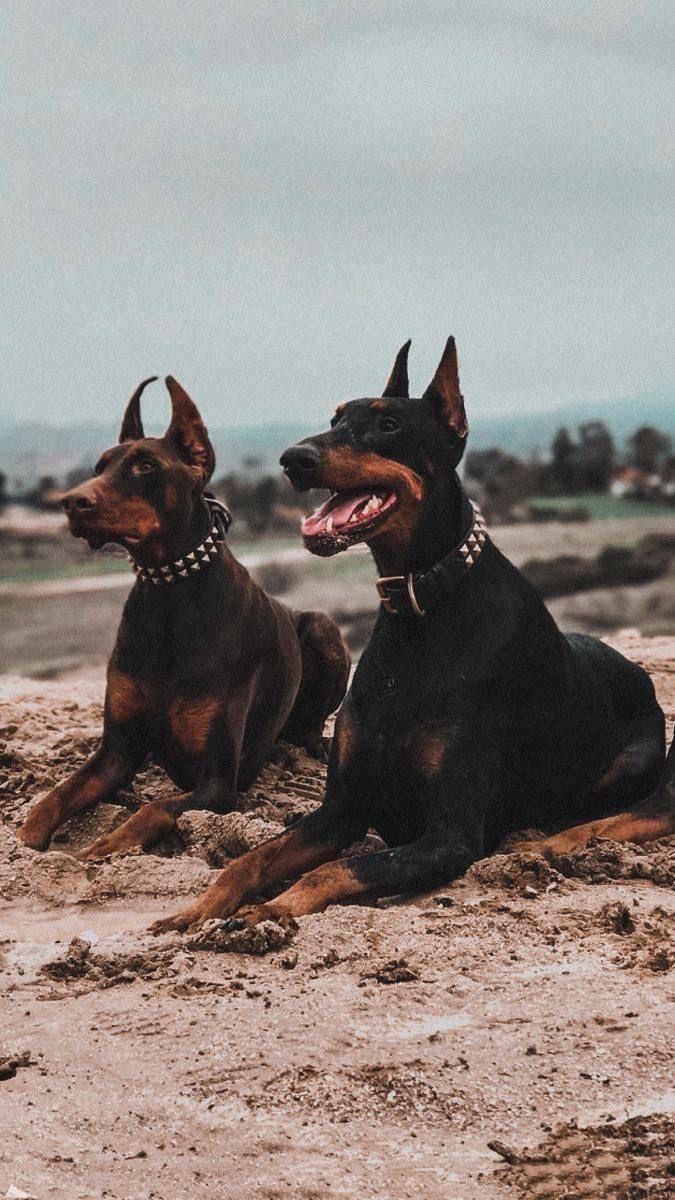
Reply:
x=208, y=670
x=470, y=714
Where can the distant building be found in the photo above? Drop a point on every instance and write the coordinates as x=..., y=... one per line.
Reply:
x=635, y=484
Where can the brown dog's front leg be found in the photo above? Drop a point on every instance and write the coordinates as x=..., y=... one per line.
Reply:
x=157, y=819
x=106, y=771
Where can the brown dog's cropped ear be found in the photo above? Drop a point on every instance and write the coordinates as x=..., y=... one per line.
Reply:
x=444, y=392
x=397, y=383
x=188, y=432
x=132, y=426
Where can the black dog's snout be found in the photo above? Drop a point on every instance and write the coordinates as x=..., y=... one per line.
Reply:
x=77, y=502
x=303, y=457
x=301, y=464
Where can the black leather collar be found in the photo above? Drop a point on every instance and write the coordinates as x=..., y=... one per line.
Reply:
x=195, y=560
x=417, y=593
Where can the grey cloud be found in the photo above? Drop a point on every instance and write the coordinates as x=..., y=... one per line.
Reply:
x=267, y=198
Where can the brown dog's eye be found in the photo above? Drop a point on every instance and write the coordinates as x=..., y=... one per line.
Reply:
x=142, y=466
x=388, y=425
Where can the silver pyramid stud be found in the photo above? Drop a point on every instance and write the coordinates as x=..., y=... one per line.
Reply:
x=195, y=566
x=190, y=557
x=204, y=558
x=469, y=560
x=166, y=571
x=183, y=572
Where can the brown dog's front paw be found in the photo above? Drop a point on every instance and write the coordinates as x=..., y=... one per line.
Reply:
x=35, y=834
x=146, y=826
x=103, y=847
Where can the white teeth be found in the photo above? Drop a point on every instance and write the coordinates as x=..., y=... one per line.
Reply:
x=329, y=525
x=373, y=504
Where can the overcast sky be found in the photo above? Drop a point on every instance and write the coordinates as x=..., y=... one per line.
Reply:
x=266, y=197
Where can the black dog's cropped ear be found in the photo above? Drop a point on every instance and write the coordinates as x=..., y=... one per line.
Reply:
x=132, y=426
x=188, y=432
x=444, y=392
x=397, y=383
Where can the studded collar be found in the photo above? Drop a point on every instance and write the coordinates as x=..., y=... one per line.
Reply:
x=418, y=592
x=195, y=560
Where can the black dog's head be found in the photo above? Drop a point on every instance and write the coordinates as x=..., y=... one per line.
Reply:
x=144, y=490
x=386, y=461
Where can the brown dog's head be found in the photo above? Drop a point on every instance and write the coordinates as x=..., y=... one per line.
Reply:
x=386, y=461
x=144, y=490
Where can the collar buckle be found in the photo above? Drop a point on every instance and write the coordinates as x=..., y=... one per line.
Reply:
x=385, y=598
x=381, y=587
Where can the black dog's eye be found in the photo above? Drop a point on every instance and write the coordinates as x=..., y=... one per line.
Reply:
x=142, y=466
x=388, y=425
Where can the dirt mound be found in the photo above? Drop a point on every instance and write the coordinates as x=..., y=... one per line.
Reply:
x=222, y=936
x=526, y=874
x=601, y=861
x=631, y=1160
x=375, y=1092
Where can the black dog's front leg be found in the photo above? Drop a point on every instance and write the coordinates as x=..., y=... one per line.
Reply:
x=418, y=866
x=451, y=843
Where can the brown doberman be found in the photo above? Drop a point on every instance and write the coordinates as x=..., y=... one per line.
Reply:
x=207, y=670
x=470, y=714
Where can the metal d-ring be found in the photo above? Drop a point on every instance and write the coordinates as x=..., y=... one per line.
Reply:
x=419, y=612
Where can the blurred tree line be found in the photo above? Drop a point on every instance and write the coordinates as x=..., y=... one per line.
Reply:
x=587, y=463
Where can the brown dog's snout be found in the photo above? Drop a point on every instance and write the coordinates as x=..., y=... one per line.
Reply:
x=78, y=501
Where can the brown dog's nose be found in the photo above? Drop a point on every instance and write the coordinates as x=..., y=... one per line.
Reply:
x=77, y=502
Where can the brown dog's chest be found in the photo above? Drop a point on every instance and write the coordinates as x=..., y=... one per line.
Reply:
x=171, y=719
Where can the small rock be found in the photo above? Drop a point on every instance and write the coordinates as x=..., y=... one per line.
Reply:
x=505, y=1152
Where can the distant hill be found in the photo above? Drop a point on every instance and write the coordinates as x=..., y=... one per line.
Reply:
x=534, y=431
x=31, y=449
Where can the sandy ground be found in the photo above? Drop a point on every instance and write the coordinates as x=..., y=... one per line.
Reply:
x=510, y=1035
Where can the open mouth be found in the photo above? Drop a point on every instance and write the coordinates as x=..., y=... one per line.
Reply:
x=345, y=519
x=94, y=538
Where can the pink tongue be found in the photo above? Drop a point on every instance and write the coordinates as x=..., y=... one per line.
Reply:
x=340, y=511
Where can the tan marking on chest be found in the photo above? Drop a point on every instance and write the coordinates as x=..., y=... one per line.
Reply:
x=126, y=698
x=191, y=721
x=426, y=748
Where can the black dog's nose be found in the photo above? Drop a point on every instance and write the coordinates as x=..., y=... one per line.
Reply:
x=77, y=502
x=301, y=458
